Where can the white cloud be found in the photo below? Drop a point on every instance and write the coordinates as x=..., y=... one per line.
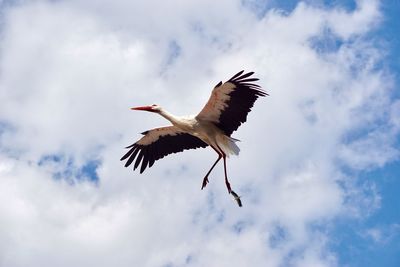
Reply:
x=383, y=234
x=69, y=73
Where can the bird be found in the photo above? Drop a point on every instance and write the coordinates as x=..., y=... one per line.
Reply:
x=226, y=109
x=237, y=198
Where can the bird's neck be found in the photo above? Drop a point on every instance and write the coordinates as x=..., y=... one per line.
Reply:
x=172, y=118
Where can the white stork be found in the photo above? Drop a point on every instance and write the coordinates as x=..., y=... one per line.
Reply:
x=225, y=111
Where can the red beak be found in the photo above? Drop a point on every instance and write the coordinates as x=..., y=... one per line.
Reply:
x=146, y=108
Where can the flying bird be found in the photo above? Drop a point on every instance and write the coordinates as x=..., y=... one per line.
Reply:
x=225, y=111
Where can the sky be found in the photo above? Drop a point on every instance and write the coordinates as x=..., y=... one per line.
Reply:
x=319, y=166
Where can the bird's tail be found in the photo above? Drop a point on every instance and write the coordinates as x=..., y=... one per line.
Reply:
x=228, y=145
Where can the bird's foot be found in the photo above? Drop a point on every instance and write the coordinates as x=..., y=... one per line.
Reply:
x=205, y=182
x=237, y=198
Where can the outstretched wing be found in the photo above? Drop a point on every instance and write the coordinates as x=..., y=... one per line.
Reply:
x=230, y=102
x=158, y=143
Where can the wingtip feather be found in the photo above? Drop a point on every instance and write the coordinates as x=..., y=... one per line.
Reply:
x=236, y=75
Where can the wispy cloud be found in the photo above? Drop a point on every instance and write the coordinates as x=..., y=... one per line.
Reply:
x=383, y=234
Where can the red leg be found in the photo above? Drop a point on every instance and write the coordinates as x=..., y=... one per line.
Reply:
x=205, y=180
x=228, y=185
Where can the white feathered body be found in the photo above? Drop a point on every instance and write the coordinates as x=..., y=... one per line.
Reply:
x=205, y=130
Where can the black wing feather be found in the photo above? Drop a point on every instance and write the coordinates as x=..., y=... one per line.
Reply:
x=163, y=146
x=236, y=75
x=131, y=153
x=241, y=101
x=139, y=158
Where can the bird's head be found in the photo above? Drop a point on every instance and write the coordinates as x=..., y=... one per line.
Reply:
x=153, y=108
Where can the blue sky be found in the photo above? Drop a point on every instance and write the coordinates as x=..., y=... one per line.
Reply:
x=353, y=249
x=319, y=164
